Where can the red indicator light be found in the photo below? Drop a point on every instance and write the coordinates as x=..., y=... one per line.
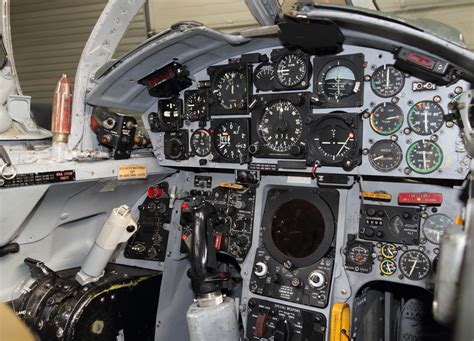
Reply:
x=218, y=238
x=420, y=198
x=184, y=237
x=154, y=192
x=157, y=79
x=421, y=60
x=351, y=135
x=184, y=205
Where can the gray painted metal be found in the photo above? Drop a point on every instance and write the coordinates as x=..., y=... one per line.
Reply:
x=264, y=11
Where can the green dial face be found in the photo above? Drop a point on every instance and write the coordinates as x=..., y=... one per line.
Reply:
x=424, y=156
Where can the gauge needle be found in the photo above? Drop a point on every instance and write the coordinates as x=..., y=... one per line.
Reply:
x=392, y=118
x=345, y=142
x=387, y=83
x=378, y=157
x=424, y=159
x=425, y=113
x=413, y=267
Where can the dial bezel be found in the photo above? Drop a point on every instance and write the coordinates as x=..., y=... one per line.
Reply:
x=414, y=109
x=420, y=170
x=277, y=56
x=204, y=115
x=264, y=84
x=217, y=156
x=381, y=131
x=402, y=268
x=380, y=69
x=194, y=149
x=165, y=124
x=373, y=162
x=423, y=228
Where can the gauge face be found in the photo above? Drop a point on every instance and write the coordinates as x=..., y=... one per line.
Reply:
x=359, y=254
x=426, y=117
x=264, y=76
x=231, y=140
x=230, y=90
x=339, y=82
x=389, y=251
x=414, y=265
x=386, y=118
x=201, y=142
x=424, y=156
x=385, y=155
x=388, y=267
x=387, y=81
x=195, y=106
x=396, y=225
x=434, y=227
x=291, y=70
x=334, y=139
x=281, y=126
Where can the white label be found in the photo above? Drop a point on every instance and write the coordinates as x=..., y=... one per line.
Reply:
x=299, y=180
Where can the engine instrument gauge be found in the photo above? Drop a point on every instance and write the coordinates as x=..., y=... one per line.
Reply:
x=195, y=105
x=387, y=81
x=426, y=117
x=230, y=139
x=264, y=76
x=385, y=155
x=201, y=142
x=389, y=251
x=415, y=265
x=333, y=140
x=424, y=156
x=291, y=70
x=434, y=227
x=359, y=254
x=386, y=118
x=280, y=126
x=388, y=267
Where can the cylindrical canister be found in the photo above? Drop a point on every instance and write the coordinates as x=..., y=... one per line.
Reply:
x=62, y=103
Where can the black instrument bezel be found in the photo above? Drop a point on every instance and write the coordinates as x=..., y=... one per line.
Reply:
x=277, y=55
x=218, y=157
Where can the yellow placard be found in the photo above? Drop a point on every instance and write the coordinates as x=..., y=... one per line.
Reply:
x=133, y=171
x=229, y=185
x=376, y=196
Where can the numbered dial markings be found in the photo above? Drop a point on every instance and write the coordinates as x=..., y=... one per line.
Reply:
x=281, y=126
x=386, y=119
x=291, y=70
x=230, y=90
x=385, y=155
x=387, y=81
x=434, y=227
x=424, y=156
x=201, y=142
x=359, y=254
x=415, y=265
x=426, y=118
x=264, y=76
x=388, y=267
x=389, y=251
x=195, y=106
x=231, y=140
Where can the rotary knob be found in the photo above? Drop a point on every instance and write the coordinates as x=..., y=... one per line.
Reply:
x=317, y=279
x=260, y=269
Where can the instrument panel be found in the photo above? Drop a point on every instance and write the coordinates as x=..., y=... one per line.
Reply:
x=351, y=113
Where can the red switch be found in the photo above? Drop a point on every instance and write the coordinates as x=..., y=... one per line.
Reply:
x=261, y=325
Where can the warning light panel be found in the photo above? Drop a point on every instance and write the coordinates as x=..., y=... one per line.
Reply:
x=420, y=198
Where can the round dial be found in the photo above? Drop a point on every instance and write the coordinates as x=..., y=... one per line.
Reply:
x=426, y=117
x=388, y=267
x=424, y=156
x=386, y=118
x=230, y=140
x=334, y=139
x=385, y=155
x=359, y=254
x=281, y=126
x=194, y=106
x=230, y=90
x=263, y=76
x=291, y=70
x=339, y=82
x=387, y=81
x=434, y=227
x=389, y=251
x=201, y=142
x=414, y=265
x=396, y=225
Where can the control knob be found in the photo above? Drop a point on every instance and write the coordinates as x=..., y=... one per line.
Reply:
x=317, y=279
x=260, y=269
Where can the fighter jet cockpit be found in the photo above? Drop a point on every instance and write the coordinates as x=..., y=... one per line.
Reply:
x=308, y=178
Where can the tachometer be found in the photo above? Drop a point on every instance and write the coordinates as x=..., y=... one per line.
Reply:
x=230, y=139
x=424, y=156
x=385, y=155
x=415, y=265
x=387, y=81
x=386, y=118
x=281, y=126
x=201, y=142
x=434, y=227
x=426, y=117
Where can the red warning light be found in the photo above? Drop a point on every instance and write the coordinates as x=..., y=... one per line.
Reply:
x=420, y=198
x=154, y=192
x=184, y=205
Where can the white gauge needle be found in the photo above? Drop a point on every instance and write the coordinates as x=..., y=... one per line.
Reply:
x=387, y=83
x=392, y=118
x=425, y=113
x=424, y=159
x=413, y=267
x=345, y=142
x=378, y=157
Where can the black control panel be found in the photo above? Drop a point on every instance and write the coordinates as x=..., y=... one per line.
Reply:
x=390, y=224
x=273, y=321
x=176, y=145
x=151, y=239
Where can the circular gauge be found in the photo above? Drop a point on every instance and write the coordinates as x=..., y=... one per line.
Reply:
x=230, y=140
x=396, y=225
x=386, y=118
x=359, y=254
x=425, y=117
x=194, y=106
x=281, y=126
x=434, y=227
x=424, y=156
x=230, y=89
x=414, y=265
x=334, y=139
x=201, y=142
x=388, y=267
x=291, y=70
x=387, y=81
x=263, y=76
x=385, y=155
x=339, y=82
x=389, y=251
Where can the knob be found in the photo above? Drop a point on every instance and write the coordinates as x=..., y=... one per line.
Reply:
x=317, y=279
x=296, y=150
x=239, y=205
x=260, y=269
x=276, y=278
x=369, y=232
x=253, y=149
x=282, y=331
x=371, y=212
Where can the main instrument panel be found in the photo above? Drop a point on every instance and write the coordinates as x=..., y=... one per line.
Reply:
x=282, y=109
